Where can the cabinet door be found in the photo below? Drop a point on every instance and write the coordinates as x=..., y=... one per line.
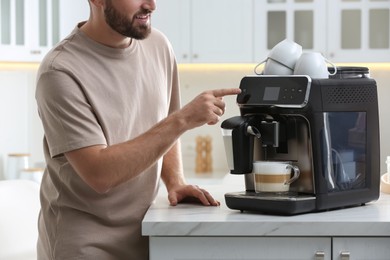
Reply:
x=302, y=21
x=222, y=31
x=229, y=248
x=30, y=28
x=69, y=14
x=41, y=31
x=14, y=28
x=360, y=30
x=207, y=31
x=54, y=20
x=345, y=248
x=172, y=17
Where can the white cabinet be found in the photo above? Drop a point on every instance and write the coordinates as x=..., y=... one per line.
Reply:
x=268, y=248
x=14, y=23
x=205, y=31
x=70, y=13
x=360, y=30
x=30, y=28
x=172, y=17
x=361, y=248
x=302, y=21
x=245, y=31
x=260, y=248
x=218, y=31
x=343, y=30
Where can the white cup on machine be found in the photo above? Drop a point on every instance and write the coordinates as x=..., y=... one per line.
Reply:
x=273, y=67
x=281, y=59
x=314, y=65
x=272, y=176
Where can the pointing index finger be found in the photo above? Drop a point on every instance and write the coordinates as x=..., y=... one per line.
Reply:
x=225, y=92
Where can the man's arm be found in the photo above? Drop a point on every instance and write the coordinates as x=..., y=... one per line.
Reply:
x=104, y=167
x=172, y=168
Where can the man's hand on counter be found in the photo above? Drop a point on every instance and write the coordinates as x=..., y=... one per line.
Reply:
x=191, y=193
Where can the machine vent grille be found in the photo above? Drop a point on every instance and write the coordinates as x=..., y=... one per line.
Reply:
x=350, y=95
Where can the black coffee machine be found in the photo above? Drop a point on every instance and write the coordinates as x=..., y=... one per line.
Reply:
x=329, y=128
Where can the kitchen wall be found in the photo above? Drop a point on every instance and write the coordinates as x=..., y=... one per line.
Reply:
x=21, y=131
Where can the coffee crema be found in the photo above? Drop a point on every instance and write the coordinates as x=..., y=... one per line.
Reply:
x=277, y=178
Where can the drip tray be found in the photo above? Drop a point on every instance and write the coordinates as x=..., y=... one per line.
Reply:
x=293, y=196
x=285, y=203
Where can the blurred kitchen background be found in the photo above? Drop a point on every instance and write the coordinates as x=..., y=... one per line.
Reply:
x=217, y=42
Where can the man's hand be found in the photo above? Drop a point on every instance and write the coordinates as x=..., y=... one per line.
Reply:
x=206, y=108
x=191, y=193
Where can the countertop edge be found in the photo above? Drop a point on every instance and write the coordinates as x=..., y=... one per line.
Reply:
x=370, y=220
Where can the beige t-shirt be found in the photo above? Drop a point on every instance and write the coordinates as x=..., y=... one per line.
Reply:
x=90, y=94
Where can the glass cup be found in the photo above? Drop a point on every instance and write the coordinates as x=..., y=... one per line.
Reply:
x=274, y=176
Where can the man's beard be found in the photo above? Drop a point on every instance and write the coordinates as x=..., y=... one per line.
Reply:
x=122, y=25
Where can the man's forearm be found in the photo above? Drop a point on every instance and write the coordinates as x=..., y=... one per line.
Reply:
x=126, y=160
x=172, y=169
x=106, y=167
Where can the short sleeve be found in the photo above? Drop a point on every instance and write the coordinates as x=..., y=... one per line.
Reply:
x=68, y=119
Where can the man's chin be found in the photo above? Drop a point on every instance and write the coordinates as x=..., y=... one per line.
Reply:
x=140, y=34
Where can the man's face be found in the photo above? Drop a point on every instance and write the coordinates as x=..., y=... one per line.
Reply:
x=137, y=27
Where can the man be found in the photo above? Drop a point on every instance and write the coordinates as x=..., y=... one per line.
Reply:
x=108, y=97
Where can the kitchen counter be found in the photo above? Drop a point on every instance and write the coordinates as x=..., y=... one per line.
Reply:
x=195, y=221
x=373, y=219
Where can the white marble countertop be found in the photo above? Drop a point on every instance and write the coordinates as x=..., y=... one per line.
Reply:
x=373, y=219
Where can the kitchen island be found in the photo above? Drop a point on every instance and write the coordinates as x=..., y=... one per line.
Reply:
x=190, y=231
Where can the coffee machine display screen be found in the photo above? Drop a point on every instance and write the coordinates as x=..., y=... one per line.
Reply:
x=280, y=91
x=271, y=93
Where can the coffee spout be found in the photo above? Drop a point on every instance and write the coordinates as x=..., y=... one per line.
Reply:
x=253, y=131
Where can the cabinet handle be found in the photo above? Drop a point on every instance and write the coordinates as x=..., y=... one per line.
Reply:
x=35, y=52
x=195, y=56
x=320, y=255
x=345, y=255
